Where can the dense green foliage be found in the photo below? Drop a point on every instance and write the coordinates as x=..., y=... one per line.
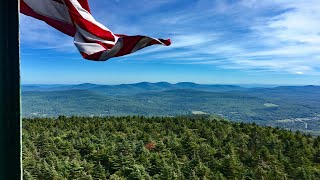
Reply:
x=137, y=147
x=164, y=99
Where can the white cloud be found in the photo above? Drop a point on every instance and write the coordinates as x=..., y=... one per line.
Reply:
x=36, y=34
x=284, y=40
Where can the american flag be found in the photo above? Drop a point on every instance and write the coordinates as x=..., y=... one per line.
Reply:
x=93, y=40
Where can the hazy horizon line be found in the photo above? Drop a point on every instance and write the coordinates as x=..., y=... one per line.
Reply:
x=238, y=84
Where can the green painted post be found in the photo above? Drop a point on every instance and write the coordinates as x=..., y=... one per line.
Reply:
x=10, y=122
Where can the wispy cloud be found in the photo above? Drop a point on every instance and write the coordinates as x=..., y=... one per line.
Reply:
x=38, y=35
x=268, y=35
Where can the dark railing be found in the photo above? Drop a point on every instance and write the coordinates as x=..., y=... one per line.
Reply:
x=10, y=123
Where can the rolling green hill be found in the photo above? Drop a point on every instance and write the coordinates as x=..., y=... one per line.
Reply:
x=131, y=89
x=293, y=107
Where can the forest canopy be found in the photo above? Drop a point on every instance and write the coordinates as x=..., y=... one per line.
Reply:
x=137, y=147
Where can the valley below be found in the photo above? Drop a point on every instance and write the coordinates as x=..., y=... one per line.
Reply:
x=289, y=107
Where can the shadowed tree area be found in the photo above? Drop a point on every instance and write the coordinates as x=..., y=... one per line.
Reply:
x=136, y=147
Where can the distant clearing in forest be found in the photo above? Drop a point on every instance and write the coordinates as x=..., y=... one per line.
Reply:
x=270, y=105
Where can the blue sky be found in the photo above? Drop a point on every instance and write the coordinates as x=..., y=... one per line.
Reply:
x=213, y=42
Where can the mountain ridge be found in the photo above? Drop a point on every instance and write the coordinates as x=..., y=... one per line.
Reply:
x=282, y=106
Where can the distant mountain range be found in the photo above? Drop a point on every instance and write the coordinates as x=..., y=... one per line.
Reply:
x=129, y=89
x=277, y=106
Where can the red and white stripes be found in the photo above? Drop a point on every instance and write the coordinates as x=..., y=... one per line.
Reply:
x=93, y=40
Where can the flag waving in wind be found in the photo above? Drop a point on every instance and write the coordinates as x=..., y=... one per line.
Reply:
x=93, y=40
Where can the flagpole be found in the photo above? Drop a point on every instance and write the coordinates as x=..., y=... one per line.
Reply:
x=10, y=122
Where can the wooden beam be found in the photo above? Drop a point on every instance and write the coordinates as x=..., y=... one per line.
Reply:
x=10, y=122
